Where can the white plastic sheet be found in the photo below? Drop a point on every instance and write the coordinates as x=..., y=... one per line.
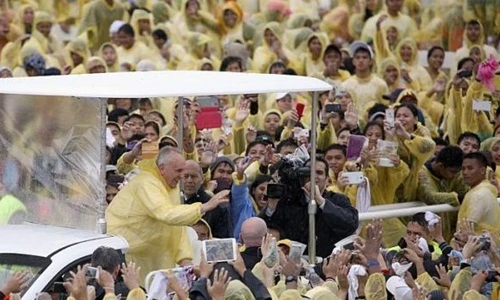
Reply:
x=50, y=153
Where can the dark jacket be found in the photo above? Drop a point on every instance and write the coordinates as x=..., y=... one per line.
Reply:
x=337, y=220
x=219, y=218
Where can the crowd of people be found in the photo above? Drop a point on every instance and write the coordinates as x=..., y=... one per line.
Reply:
x=411, y=127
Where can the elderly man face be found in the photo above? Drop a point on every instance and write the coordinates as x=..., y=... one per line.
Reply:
x=171, y=168
x=192, y=178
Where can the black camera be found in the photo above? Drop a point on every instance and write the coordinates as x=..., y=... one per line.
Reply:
x=485, y=243
x=293, y=178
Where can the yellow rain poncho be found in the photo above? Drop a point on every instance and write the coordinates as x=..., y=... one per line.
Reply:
x=264, y=56
x=162, y=12
x=336, y=23
x=415, y=152
x=310, y=64
x=134, y=54
x=487, y=12
x=19, y=26
x=472, y=121
x=26, y=51
x=309, y=7
x=321, y=293
x=183, y=25
x=433, y=190
x=405, y=25
x=241, y=31
x=467, y=45
x=384, y=193
x=97, y=17
x=480, y=206
x=115, y=66
x=79, y=47
x=400, y=83
x=144, y=37
x=375, y=287
x=48, y=45
x=237, y=290
x=197, y=42
x=368, y=90
x=415, y=70
x=95, y=61
x=148, y=213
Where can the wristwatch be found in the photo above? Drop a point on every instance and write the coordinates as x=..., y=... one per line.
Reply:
x=290, y=279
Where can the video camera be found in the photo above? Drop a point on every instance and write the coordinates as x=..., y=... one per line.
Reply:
x=292, y=179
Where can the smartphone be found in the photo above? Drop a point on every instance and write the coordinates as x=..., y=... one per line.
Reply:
x=480, y=105
x=332, y=107
x=389, y=117
x=222, y=184
x=465, y=73
x=91, y=272
x=131, y=144
x=354, y=146
x=149, y=150
x=208, y=120
x=354, y=178
x=221, y=250
x=275, y=190
x=300, y=109
x=485, y=243
x=402, y=243
x=207, y=101
x=491, y=276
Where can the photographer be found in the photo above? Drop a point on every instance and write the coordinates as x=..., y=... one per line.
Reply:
x=335, y=217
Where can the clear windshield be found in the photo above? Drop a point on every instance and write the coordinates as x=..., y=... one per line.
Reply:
x=12, y=263
x=50, y=160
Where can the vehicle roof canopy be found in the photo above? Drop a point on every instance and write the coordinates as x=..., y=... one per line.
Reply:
x=51, y=134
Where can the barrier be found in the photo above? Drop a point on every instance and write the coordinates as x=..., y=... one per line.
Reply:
x=404, y=210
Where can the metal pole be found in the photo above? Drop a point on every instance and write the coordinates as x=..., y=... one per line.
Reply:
x=101, y=219
x=312, y=207
x=180, y=127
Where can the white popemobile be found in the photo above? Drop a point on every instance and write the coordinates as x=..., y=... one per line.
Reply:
x=49, y=252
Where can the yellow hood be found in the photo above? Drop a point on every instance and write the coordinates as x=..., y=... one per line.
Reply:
x=413, y=45
x=140, y=14
x=468, y=42
x=386, y=63
x=236, y=290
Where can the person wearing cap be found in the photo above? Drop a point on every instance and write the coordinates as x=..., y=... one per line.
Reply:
x=34, y=65
x=97, y=18
x=113, y=32
x=405, y=25
x=332, y=60
x=368, y=86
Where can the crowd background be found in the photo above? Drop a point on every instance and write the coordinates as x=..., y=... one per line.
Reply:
x=441, y=146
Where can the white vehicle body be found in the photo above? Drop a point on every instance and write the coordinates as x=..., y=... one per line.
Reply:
x=62, y=248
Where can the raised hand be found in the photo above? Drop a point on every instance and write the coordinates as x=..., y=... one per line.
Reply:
x=242, y=112
x=220, y=284
x=130, y=274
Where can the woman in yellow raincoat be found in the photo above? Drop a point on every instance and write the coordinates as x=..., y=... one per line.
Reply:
x=131, y=51
x=142, y=22
x=231, y=25
x=77, y=54
x=24, y=22
x=273, y=49
x=197, y=50
x=109, y=54
x=41, y=38
x=389, y=70
x=191, y=18
x=311, y=53
x=415, y=147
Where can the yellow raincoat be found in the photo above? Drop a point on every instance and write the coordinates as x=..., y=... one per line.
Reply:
x=405, y=25
x=135, y=54
x=18, y=26
x=472, y=121
x=415, y=152
x=309, y=64
x=97, y=17
x=115, y=67
x=148, y=213
x=77, y=46
x=241, y=31
x=237, y=290
x=415, y=70
x=144, y=37
x=184, y=25
x=368, y=90
x=196, y=47
x=467, y=45
x=480, y=206
x=384, y=193
x=433, y=190
x=400, y=83
x=48, y=45
x=264, y=56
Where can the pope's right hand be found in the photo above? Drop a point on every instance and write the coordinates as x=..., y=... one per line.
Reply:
x=218, y=199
